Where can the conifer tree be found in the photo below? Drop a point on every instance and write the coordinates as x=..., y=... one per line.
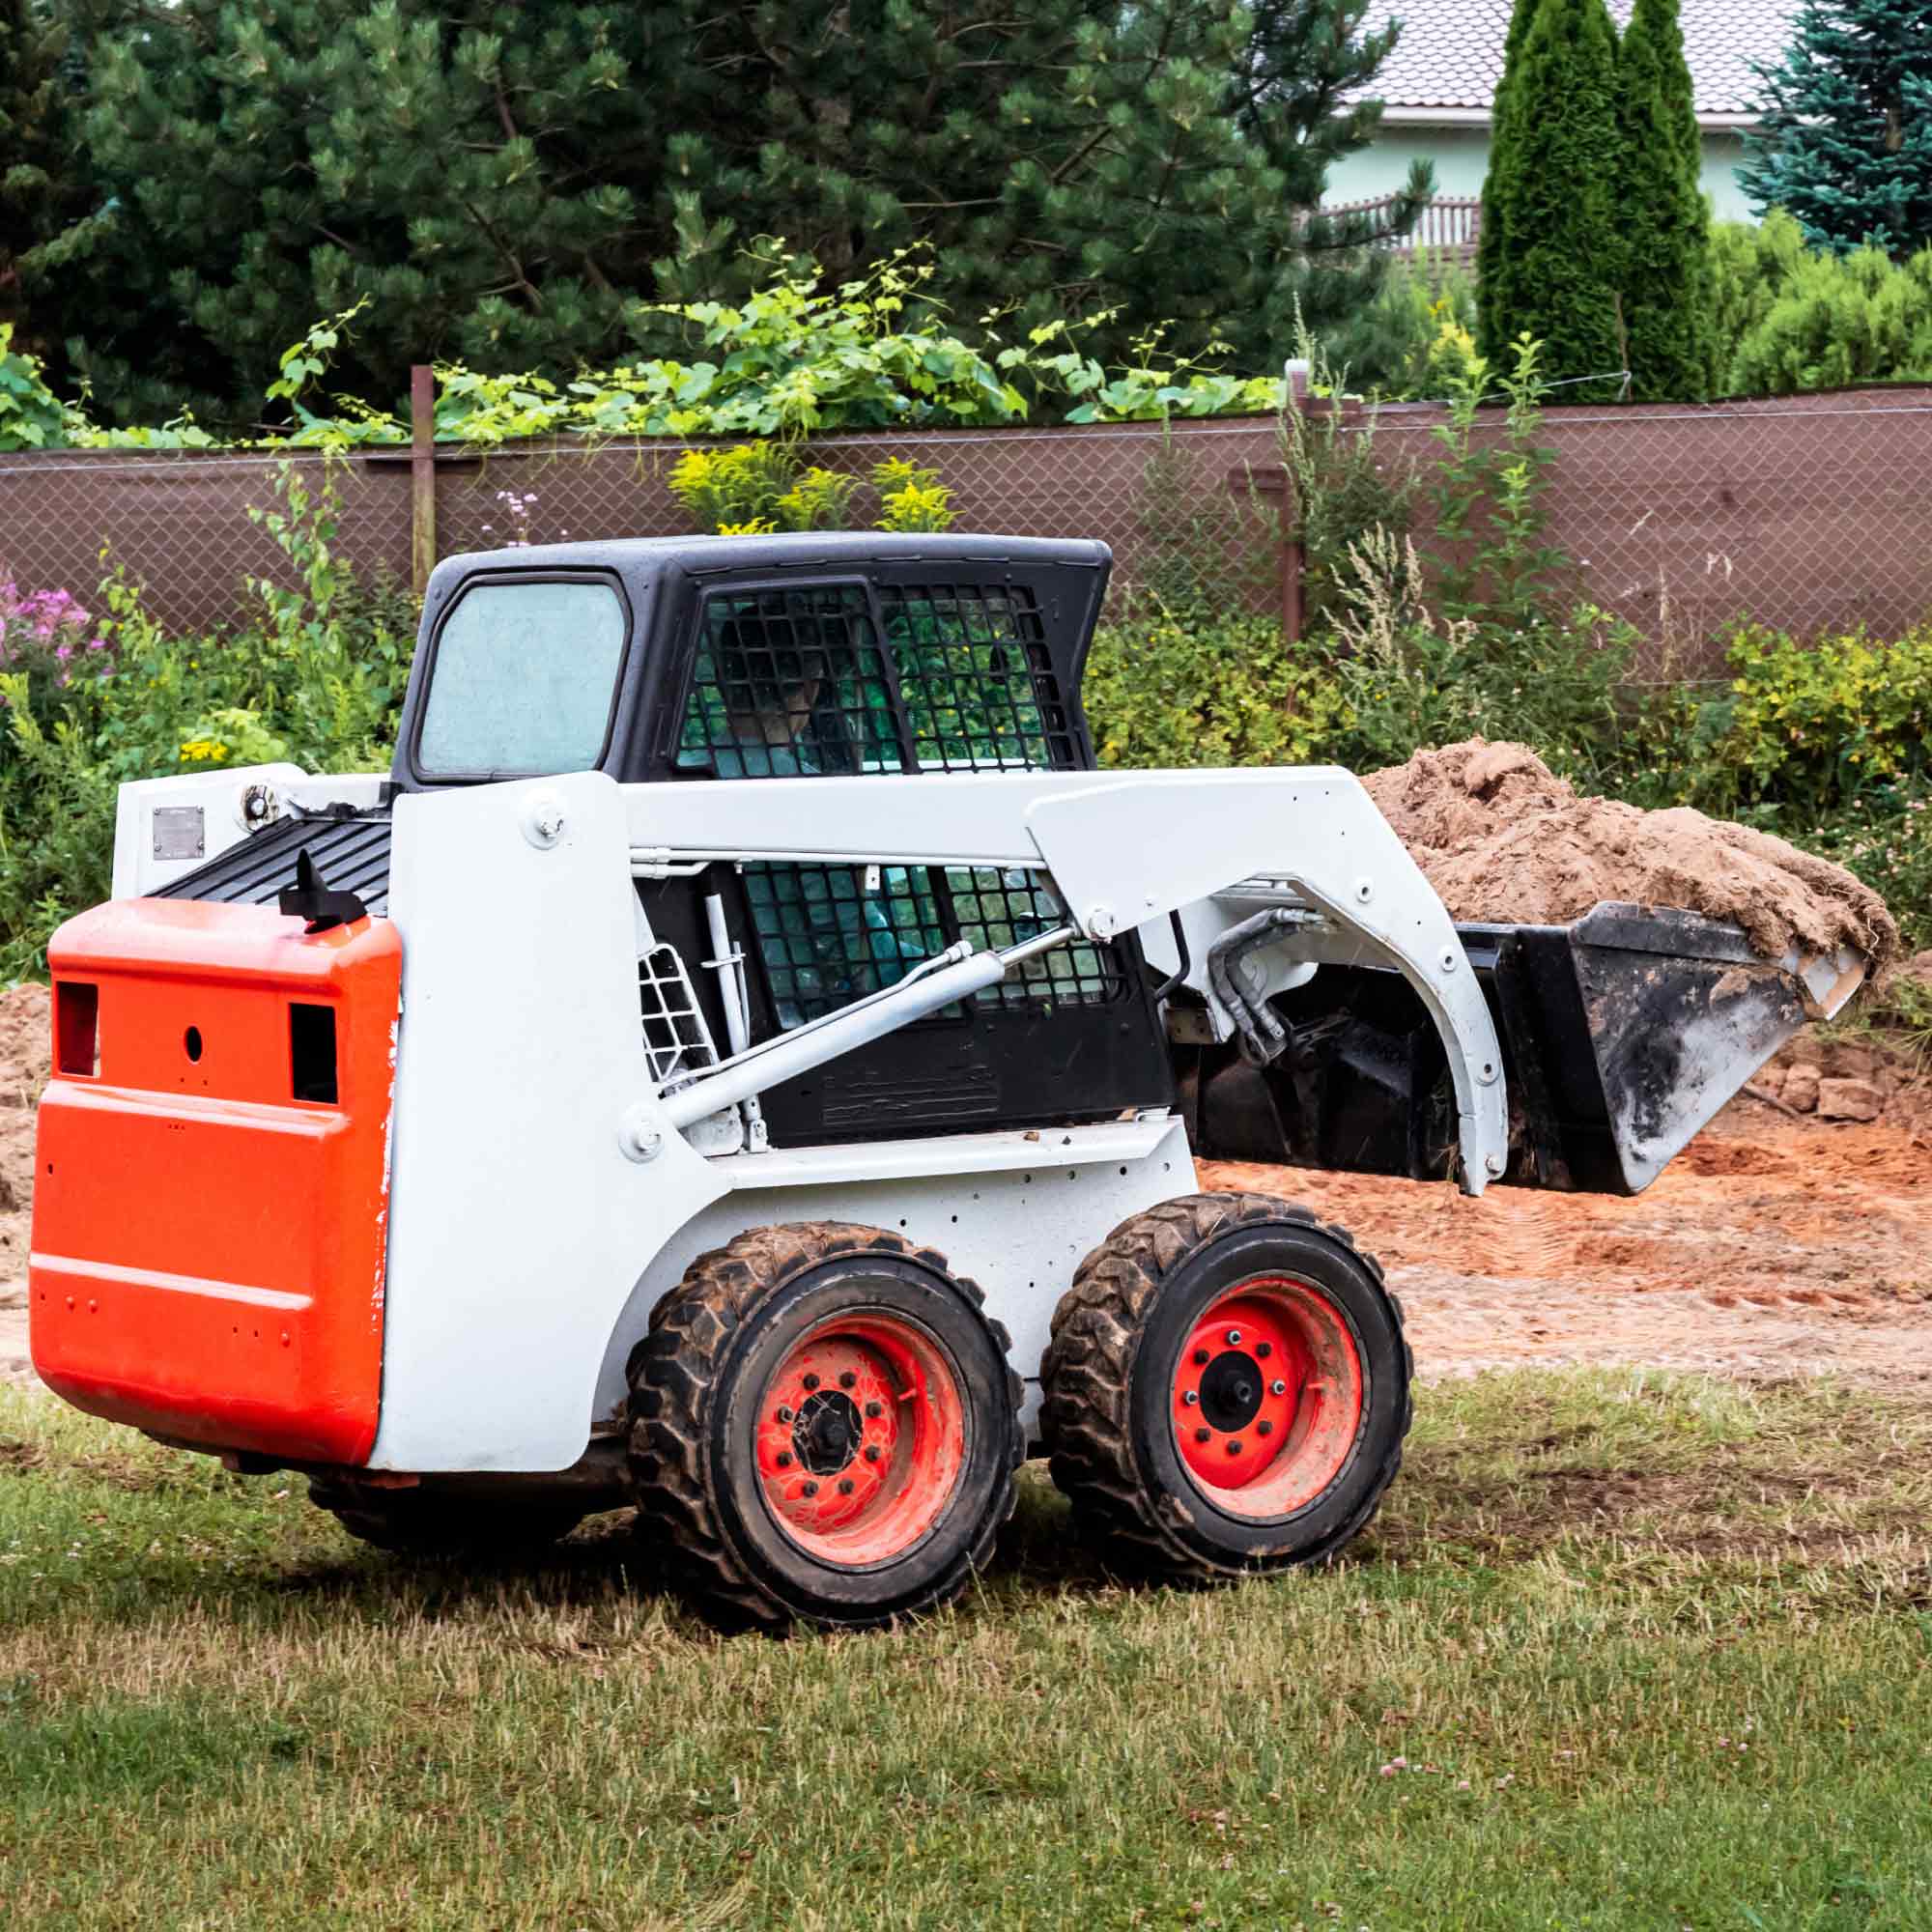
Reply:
x=514, y=184
x=1666, y=285
x=1492, y=330
x=1558, y=259
x=1844, y=140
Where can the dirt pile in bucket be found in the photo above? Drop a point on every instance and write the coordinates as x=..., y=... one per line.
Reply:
x=1501, y=837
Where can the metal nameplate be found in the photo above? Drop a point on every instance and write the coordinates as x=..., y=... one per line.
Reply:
x=179, y=832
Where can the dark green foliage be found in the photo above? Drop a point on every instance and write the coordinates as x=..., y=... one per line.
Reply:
x=1667, y=287
x=1555, y=183
x=515, y=184
x=1493, y=266
x=1845, y=140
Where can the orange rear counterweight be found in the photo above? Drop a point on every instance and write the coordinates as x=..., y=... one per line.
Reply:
x=212, y=1181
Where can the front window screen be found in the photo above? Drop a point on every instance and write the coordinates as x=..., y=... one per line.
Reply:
x=524, y=680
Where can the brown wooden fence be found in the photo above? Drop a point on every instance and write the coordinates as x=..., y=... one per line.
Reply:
x=1807, y=513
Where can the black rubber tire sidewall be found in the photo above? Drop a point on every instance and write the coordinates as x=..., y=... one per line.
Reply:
x=1350, y=1287
x=853, y=1285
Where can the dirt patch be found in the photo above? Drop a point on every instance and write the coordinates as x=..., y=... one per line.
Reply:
x=1500, y=836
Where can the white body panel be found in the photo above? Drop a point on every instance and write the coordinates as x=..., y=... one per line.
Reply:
x=518, y=1226
x=1015, y=1214
x=219, y=798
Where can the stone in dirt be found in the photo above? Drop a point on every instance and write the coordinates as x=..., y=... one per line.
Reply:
x=1849, y=1100
x=1500, y=836
x=1799, y=1091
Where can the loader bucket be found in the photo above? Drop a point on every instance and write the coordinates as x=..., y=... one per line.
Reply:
x=1623, y=1035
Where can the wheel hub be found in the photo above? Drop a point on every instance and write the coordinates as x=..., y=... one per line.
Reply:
x=1267, y=1395
x=827, y=1431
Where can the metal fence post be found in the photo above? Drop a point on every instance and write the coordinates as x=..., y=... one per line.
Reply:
x=1292, y=558
x=422, y=475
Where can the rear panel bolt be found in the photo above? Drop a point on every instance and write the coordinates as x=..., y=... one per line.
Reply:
x=1234, y=1447
x=1264, y=1428
x=812, y=1381
x=1233, y=1338
x=848, y=1381
x=1191, y=1398
x=1277, y=1387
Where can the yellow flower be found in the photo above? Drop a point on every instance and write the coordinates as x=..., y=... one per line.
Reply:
x=199, y=750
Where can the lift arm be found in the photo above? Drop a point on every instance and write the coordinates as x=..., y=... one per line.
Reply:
x=1305, y=846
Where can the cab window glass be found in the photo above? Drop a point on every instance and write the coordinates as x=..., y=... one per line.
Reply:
x=524, y=680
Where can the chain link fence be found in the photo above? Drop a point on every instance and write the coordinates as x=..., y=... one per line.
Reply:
x=1808, y=513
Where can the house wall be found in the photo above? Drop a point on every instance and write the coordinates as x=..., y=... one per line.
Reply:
x=1460, y=157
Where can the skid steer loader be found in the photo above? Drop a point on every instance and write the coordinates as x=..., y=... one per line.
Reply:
x=745, y=1061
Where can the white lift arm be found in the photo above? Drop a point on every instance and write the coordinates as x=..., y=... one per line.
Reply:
x=1124, y=850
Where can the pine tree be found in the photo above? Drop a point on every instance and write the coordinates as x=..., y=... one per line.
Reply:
x=1492, y=330
x=1845, y=128
x=515, y=184
x=1667, y=286
x=1559, y=260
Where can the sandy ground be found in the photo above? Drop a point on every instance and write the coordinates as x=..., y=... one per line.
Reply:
x=1773, y=1248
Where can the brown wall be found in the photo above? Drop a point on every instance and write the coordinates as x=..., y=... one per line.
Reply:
x=1807, y=513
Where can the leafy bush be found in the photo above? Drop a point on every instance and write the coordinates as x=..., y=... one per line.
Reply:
x=1168, y=687
x=91, y=702
x=1789, y=317
x=751, y=488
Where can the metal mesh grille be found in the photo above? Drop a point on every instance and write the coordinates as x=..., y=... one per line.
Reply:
x=994, y=908
x=829, y=934
x=676, y=1039
x=974, y=677
x=788, y=684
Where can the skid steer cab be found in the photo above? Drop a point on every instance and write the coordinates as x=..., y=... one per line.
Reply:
x=744, y=1063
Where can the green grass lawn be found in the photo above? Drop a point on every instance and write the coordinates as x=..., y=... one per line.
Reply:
x=1622, y=1650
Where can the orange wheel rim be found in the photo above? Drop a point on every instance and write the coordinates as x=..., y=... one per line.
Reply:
x=1267, y=1397
x=860, y=1439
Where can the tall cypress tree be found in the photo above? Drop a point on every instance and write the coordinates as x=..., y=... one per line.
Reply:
x=1667, y=287
x=1492, y=330
x=1844, y=138
x=1559, y=259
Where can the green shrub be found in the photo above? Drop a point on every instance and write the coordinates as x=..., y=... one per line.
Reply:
x=315, y=678
x=1182, y=687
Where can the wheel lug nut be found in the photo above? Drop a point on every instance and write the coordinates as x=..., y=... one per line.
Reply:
x=846, y=1486
x=784, y=1459
x=1264, y=1350
x=812, y=1381
x=1277, y=1386
x=812, y=1489
x=874, y=1410
x=1191, y=1398
x=1201, y=1358
x=1234, y=1449
x=1233, y=1338
x=784, y=1413
x=848, y=1381
x=871, y=1452
x=1204, y=1435
x=1264, y=1429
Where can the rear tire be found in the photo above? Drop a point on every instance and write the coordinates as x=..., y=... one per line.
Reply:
x=824, y=1427
x=1227, y=1388
x=425, y=1523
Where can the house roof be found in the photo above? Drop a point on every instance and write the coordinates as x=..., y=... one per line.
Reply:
x=1450, y=54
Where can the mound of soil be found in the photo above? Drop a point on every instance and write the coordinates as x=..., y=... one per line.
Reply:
x=1500, y=836
x=25, y=1060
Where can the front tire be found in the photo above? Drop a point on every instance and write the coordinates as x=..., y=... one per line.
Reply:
x=1227, y=1388
x=824, y=1427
